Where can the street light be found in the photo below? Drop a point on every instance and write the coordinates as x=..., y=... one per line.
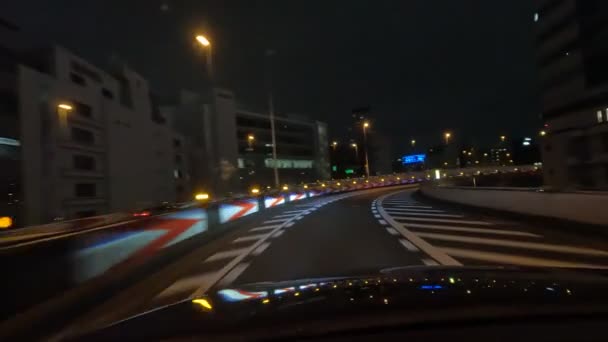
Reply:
x=64, y=106
x=365, y=126
x=542, y=133
x=353, y=145
x=334, y=145
x=205, y=43
x=413, y=142
x=503, y=138
x=447, y=136
x=250, y=139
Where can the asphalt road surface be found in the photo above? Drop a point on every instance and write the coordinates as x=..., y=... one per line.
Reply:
x=353, y=234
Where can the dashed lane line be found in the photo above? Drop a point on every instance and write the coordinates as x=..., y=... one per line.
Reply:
x=392, y=231
x=382, y=222
x=260, y=249
x=276, y=221
x=279, y=233
x=429, y=262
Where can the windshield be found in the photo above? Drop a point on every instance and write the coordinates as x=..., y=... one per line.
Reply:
x=154, y=152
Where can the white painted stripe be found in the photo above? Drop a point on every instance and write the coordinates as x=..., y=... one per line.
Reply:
x=423, y=214
x=249, y=238
x=233, y=274
x=275, y=221
x=279, y=233
x=515, y=259
x=472, y=230
x=187, y=285
x=382, y=222
x=295, y=211
x=515, y=244
x=231, y=253
x=290, y=224
x=430, y=262
x=392, y=231
x=411, y=206
x=260, y=249
x=299, y=217
x=412, y=210
x=284, y=215
x=410, y=218
x=257, y=229
x=408, y=245
x=377, y=216
x=426, y=247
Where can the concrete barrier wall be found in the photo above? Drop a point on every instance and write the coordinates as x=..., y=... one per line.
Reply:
x=589, y=208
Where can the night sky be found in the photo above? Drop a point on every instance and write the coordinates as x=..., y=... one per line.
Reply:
x=424, y=66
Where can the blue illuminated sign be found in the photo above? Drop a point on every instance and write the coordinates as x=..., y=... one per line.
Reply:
x=413, y=159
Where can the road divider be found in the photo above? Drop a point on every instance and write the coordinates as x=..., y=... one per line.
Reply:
x=232, y=211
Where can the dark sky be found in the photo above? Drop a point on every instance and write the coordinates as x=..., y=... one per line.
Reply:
x=424, y=66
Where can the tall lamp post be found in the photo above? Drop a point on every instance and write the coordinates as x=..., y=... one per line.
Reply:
x=206, y=44
x=270, y=53
x=365, y=126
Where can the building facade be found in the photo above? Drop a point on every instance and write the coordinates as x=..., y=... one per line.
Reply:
x=78, y=140
x=231, y=147
x=571, y=54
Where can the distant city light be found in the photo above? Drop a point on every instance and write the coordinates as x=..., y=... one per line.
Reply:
x=65, y=106
x=201, y=196
x=536, y=17
x=526, y=143
x=527, y=139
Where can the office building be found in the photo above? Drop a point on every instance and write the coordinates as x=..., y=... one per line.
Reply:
x=84, y=141
x=231, y=146
x=571, y=55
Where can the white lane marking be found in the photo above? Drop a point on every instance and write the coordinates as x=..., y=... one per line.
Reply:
x=188, y=284
x=296, y=211
x=290, y=224
x=408, y=245
x=279, y=233
x=284, y=216
x=298, y=218
x=276, y=221
x=260, y=249
x=410, y=206
x=217, y=276
x=249, y=238
x=410, y=210
x=472, y=230
x=382, y=222
x=515, y=244
x=429, y=262
x=410, y=218
x=231, y=253
x=377, y=216
x=421, y=214
x=426, y=247
x=233, y=274
x=257, y=229
x=515, y=259
x=392, y=231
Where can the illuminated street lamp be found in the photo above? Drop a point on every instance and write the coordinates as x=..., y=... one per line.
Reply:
x=65, y=106
x=542, y=133
x=334, y=144
x=250, y=139
x=365, y=126
x=413, y=142
x=206, y=44
x=353, y=145
x=503, y=138
x=447, y=136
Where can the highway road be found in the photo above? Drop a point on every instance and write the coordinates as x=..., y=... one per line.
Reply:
x=352, y=234
x=348, y=234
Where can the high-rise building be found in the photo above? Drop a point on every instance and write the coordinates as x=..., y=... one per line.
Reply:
x=571, y=53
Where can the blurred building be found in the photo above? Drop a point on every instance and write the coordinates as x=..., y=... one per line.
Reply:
x=572, y=54
x=231, y=146
x=86, y=141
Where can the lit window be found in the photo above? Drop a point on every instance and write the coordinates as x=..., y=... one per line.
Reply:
x=600, y=116
x=536, y=17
